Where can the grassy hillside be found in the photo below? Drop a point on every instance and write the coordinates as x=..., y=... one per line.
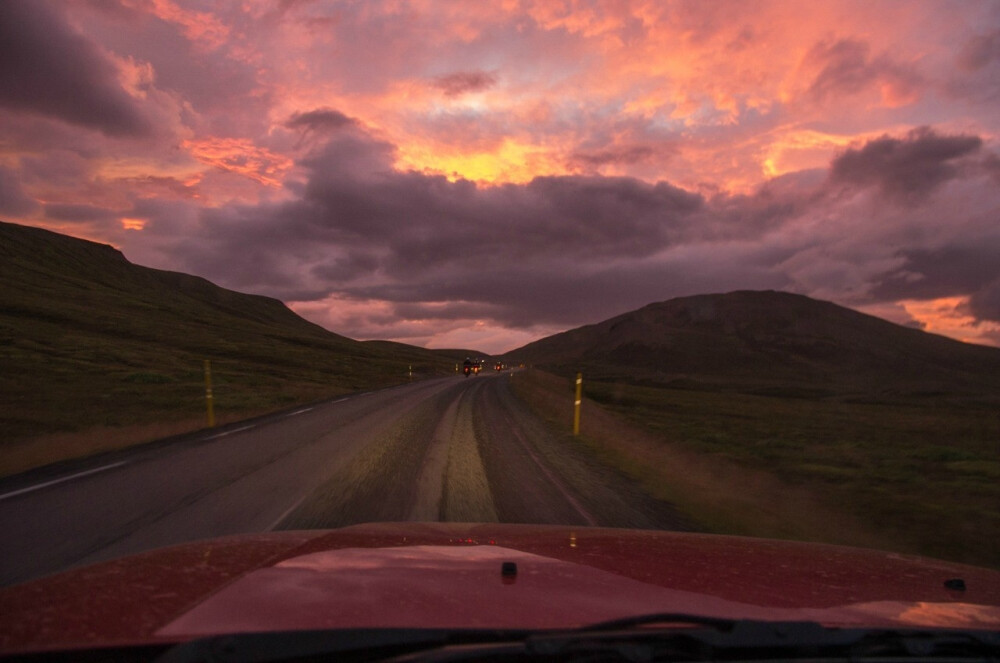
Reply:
x=97, y=351
x=772, y=414
x=768, y=342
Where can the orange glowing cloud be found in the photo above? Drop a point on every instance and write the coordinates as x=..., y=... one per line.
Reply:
x=747, y=90
x=945, y=316
x=242, y=157
x=200, y=27
x=793, y=149
x=689, y=69
x=133, y=224
x=511, y=161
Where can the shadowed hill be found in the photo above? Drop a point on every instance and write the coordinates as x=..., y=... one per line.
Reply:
x=89, y=339
x=768, y=342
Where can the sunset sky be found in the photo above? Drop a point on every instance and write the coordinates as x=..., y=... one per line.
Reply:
x=481, y=174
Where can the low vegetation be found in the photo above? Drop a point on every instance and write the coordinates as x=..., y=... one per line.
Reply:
x=99, y=353
x=913, y=475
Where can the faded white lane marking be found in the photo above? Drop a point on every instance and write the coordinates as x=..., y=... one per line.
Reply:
x=553, y=479
x=62, y=480
x=287, y=512
x=228, y=432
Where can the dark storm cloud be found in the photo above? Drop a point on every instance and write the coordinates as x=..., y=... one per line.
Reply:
x=315, y=125
x=346, y=267
x=570, y=250
x=980, y=52
x=562, y=290
x=945, y=272
x=62, y=212
x=978, y=63
x=48, y=69
x=355, y=196
x=320, y=120
x=907, y=168
x=629, y=154
x=360, y=225
x=460, y=83
x=984, y=304
x=13, y=199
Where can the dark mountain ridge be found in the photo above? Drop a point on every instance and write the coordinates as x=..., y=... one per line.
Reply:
x=89, y=267
x=767, y=340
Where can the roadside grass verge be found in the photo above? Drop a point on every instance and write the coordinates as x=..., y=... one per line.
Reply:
x=98, y=353
x=911, y=477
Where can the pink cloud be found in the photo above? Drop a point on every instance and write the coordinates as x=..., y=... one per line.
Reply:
x=515, y=166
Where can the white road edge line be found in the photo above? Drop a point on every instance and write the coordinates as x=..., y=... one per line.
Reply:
x=63, y=479
x=228, y=432
x=287, y=512
x=303, y=410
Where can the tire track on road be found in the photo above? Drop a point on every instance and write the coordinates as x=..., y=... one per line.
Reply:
x=467, y=497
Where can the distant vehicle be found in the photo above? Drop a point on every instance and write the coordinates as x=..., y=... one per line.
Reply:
x=468, y=368
x=499, y=366
x=468, y=592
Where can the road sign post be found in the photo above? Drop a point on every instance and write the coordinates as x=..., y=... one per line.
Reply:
x=576, y=405
x=208, y=394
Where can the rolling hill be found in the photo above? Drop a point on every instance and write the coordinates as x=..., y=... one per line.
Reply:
x=88, y=339
x=767, y=342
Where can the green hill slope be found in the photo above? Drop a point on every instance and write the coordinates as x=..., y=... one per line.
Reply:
x=88, y=339
x=752, y=405
x=768, y=341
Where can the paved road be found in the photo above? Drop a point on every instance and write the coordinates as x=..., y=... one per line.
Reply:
x=452, y=449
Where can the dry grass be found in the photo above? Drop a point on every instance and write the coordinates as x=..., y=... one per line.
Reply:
x=722, y=496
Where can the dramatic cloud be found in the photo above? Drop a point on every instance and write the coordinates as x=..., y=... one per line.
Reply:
x=79, y=213
x=980, y=52
x=945, y=272
x=47, y=68
x=13, y=199
x=547, y=253
x=908, y=168
x=848, y=68
x=460, y=83
x=480, y=174
x=321, y=121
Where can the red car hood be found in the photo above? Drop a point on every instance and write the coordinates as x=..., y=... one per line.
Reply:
x=451, y=575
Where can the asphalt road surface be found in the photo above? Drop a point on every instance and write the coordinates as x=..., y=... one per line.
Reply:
x=451, y=449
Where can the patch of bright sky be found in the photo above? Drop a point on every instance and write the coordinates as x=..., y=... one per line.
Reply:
x=945, y=316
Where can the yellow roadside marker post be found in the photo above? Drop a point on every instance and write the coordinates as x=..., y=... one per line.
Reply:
x=208, y=394
x=576, y=408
